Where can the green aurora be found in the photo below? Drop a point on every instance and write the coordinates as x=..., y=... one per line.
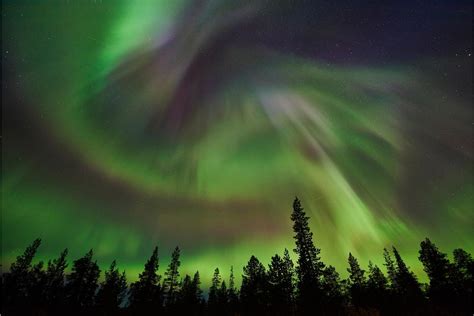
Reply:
x=120, y=134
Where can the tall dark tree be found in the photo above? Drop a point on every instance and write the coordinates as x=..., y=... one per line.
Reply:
x=36, y=286
x=223, y=297
x=82, y=283
x=462, y=275
x=17, y=282
x=407, y=285
x=55, y=277
x=189, y=297
x=171, y=281
x=310, y=266
x=197, y=286
x=377, y=289
x=113, y=290
x=254, y=289
x=464, y=263
x=280, y=283
x=213, y=300
x=391, y=269
x=356, y=282
x=438, y=268
x=332, y=288
x=233, y=294
x=146, y=293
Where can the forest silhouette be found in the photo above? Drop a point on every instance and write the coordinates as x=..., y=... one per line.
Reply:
x=305, y=287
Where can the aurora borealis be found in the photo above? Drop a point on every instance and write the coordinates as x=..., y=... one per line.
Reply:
x=127, y=124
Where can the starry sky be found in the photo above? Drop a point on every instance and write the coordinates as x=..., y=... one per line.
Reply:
x=129, y=124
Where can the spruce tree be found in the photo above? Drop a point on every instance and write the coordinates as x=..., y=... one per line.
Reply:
x=464, y=267
x=357, y=282
x=437, y=267
x=310, y=266
x=391, y=269
x=222, y=296
x=171, y=281
x=280, y=282
x=407, y=286
x=36, y=286
x=254, y=289
x=189, y=297
x=332, y=288
x=146, y=294
x=17, y=281
x=197, y=286
x=289, y=276
x=113, y=290
x=213, y=300
x=461, y=275
x=377, y=288
x=55, y=277
x=233, y=294
x=82, y=282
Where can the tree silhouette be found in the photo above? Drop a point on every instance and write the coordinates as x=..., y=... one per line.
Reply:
x=332, y=289
x=213, y=300
x=146, y=294
x=254, y=289
x=310, y=266
x=280, y=283
x=233, y=293
x=197, y=287
x=407, y=286
x=17, y=282
x=223, y=298
x=462, y=275
x=437, y=267
x=356, y=282
x=54, y=283
x=377, y=288
x=171, y=281
x=113, y=290
x=190, y=296
x=82, y=282
x=37, y=277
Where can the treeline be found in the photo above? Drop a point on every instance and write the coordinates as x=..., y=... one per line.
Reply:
x=308, y=287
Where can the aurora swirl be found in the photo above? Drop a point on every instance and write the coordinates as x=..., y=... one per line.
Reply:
x=195, y=123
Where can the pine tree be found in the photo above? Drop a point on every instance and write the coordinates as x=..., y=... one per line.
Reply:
x=280, y=282
x=391, y=269
x=82, y=282
x=189, y=297
x=213, y=300
x=437, y=267
x=254, y=289
x=113, y=290
x=357, y=282
x=171, y=281
x=332, y=289
x=54, y=284
x=377, y=288
x=310, y=267
x=233, y=295
x=407, y=285
x=36, y=285
x=146, y=294
x=222, y=296
x=464, y=266
x=17, y=282
x=461, y=274
x=197, y=286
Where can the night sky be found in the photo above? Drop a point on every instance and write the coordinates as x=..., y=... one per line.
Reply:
x=129, y=124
